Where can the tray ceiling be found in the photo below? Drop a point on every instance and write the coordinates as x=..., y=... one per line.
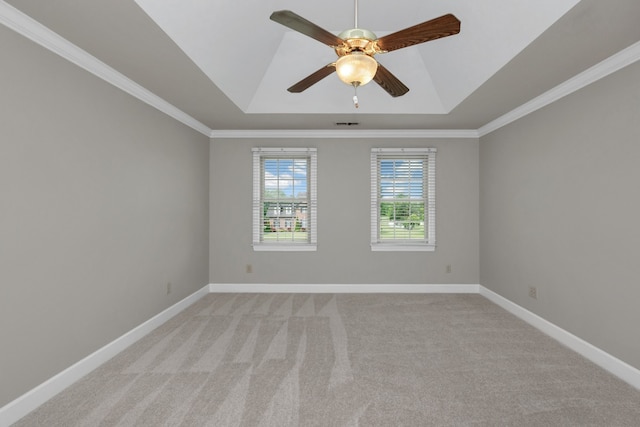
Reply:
x=253, y=59
x=223, y=67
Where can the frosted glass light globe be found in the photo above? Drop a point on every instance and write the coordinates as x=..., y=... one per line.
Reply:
x=356, y=68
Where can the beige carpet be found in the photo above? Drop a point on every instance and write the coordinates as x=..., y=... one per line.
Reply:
x=344, y=360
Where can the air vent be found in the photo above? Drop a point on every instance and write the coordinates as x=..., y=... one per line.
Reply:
x=347, y=124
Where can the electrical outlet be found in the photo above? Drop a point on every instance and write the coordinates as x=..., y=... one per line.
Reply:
x=449, y=268
x=249, y=268
x=533, y=292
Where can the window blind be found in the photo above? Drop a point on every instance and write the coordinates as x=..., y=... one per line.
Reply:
x=284, y=199
x=403, y=195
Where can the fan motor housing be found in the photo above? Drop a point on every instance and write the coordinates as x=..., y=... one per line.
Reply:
x=357, y=39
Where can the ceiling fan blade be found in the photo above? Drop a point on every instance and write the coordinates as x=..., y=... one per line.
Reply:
x=312, y=79
x=389, y=82
x=444, y=26
x=308, y=28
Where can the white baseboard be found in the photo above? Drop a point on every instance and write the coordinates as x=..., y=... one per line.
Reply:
x=29, y=401
x=26, y=403
x=617, y=367
x=342, y=289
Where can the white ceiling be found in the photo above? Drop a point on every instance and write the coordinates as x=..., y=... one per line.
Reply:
x=253, y=59
x=222, y=67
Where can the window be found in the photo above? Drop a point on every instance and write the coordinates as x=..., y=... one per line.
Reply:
x=284, y=199
x=403, y=214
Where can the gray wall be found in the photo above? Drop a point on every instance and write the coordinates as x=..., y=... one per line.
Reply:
x=560, y=210
x=103, y=201
x=344, y=255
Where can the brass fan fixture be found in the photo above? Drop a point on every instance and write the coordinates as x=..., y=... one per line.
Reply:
x=356, y=48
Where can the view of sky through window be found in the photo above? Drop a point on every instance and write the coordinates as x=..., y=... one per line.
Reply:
x=402, y=178
x=285, y=178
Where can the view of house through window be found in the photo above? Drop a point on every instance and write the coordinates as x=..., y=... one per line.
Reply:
x=285, y=207
x=284, y=198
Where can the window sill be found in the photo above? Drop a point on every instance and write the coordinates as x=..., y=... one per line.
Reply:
x=284, y=248
x=382, y=247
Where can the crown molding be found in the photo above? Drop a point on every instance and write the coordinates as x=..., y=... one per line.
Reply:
x=352, y=134
x=608, y=66
x=38, y=33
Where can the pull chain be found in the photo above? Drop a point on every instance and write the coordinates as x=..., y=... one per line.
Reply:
x=355, y=25
x=355, y=96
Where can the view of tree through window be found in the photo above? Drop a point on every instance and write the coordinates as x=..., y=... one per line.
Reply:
x=285, y=205
x=402, y=198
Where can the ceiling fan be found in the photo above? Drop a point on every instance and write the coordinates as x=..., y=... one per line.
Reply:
x=356, y=47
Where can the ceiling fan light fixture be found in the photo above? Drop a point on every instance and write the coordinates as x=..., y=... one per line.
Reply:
x=356, y=47
x=356, y=68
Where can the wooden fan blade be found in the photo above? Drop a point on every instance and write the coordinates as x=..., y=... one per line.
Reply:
x=444, y=26
x=389, y=82
x=308, y=28
x=312, y=79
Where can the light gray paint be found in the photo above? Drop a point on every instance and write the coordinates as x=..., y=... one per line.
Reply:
x=103, y=201
x=344, y=254
x=560, y=210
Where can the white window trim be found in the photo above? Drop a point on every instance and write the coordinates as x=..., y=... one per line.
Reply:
x=258, y=153
x=430, y=209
